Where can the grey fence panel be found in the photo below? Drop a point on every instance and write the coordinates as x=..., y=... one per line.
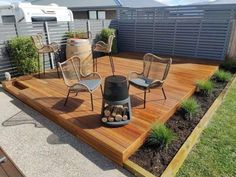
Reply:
x=52, y=32
x=189, y=31
x=7, y=31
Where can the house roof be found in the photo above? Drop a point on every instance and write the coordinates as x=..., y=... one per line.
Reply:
x=99, y=3
x=216, y=2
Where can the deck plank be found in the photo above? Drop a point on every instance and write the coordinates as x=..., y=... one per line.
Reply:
x=47, y=95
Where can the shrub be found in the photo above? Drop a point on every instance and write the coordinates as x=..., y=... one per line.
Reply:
x=77, y=34
x=222, y=76
x=189, y=107
x=23, y=53
x=205, y=87
x=160, y=136
x=226, y=65
x=105, y=33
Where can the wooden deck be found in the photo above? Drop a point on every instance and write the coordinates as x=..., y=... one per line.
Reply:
x=47, y=96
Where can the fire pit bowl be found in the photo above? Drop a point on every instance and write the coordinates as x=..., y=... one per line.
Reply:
x=116, y=106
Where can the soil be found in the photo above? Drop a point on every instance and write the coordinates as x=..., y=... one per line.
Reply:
x=156, y=160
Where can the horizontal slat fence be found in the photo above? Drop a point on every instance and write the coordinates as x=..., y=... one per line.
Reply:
x=188, y=31
x=52, y=32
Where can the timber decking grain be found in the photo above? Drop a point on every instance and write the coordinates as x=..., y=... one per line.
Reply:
x=8, y=168
x=47, y=95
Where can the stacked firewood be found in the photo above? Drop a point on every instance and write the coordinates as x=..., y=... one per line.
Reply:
x=115, y=113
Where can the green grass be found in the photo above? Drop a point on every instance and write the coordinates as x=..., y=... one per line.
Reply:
x=190, y=106
x=222, y=76
x=160, y=136
x=205, y=86
x=215, y=154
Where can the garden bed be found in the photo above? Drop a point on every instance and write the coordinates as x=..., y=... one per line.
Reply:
x=156, y=160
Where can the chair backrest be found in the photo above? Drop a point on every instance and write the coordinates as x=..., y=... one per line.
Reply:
x=70, y=70
x=38, y=41
x=155, y=68
x=110, y=42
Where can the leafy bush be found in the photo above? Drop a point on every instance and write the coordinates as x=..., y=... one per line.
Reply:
x=23, y=53
x=226, y=65
x=205, y=87
x=77, y=34
x=160, y=136
x=222, y=76
x=105, y=33
x=189, y=107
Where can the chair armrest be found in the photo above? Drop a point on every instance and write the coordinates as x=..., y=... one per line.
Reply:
x=133, y=75
x=101, y=43
x=54, y=46
x=93, y=75
x=46, y=49
x=157, y=83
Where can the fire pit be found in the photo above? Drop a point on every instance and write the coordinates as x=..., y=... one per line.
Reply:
x=116, y=106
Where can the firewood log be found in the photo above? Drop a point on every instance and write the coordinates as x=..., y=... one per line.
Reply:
x=116, y=109
x=125, y=113
x=104, y=119
x=119, y=113
x=111, y=119
x=108, y=111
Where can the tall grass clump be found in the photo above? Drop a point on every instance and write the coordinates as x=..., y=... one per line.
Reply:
x=189, y=107
x=205, y=87
x=222, y=76
x=160, y=136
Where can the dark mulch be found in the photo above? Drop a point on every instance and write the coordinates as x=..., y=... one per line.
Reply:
x=155, y=161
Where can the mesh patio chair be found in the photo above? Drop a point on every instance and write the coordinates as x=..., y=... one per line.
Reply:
x=105, y=48
x=43, y=49
x=76, y=81
x=155, y=71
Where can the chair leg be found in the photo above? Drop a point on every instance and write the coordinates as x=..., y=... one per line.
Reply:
x=144, y=100
x=112, y=63
x=44, y=62
x=57, y=55
x=101, y=89
x=39, y=65
x=67, y=97
x=91, y=96
x=76, y=93
x=163, y=91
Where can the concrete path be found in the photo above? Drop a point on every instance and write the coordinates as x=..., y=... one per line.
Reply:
x=40, y=148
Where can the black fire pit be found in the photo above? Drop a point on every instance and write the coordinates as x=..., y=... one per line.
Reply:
x=116, y=106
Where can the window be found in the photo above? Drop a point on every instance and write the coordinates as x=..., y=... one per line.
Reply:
x=92, y=14
x=101, y=15
x=43, y=19
x=8, y=19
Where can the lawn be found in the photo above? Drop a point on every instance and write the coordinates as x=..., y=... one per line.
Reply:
x=215, y=154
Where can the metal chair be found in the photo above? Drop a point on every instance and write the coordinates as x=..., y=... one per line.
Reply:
x=155, y=71
x=43, y=49
x=76, y=81
x=105, y=48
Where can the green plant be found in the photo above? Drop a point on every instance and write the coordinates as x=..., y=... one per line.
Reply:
x=105, y=33
x=226, y=65
x=205, y=87
x=77, y=34
x=160, y=136
x=189, y=107
x=222, y=76
x=23, y=53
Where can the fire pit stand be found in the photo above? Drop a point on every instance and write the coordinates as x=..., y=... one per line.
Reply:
x=116, y=106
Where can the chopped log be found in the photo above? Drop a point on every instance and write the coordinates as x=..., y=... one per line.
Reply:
x=118, y=117
x=125, y=113
x=108, y=111
x=111, y=119
x=116, y=110
x=104, y=119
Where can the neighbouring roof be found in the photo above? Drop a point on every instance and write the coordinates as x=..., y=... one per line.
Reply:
x=99, y=3
x=216, y=2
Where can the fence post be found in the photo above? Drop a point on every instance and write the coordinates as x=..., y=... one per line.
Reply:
x=48, y=42
x=88, y=26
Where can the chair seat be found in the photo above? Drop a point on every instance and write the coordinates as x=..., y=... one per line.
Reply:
x=141, y=82
x=91, y=84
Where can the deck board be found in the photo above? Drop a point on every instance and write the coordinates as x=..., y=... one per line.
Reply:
x=47, y=95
